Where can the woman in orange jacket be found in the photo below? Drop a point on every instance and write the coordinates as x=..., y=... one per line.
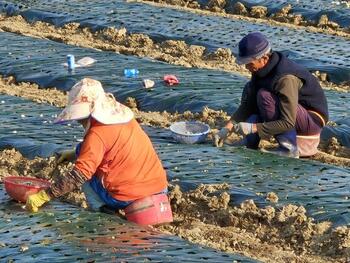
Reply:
x=116, y=163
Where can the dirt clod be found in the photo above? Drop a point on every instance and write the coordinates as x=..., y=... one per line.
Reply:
x=240, y=9
x=272, y=197
x=258, y=11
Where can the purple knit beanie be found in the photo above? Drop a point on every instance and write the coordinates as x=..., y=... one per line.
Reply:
x=252, y=46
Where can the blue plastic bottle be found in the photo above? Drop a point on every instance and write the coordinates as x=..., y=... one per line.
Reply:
x=130, y=72
x=70, y=62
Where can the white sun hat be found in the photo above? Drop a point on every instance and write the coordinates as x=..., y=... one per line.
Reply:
x=87, y=98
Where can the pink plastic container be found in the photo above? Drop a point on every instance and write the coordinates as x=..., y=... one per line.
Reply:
x=171, y=80
x=20, y=187
x=307, y=145
x=151, y=210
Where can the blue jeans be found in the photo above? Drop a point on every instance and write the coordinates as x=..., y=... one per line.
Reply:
x=96, y=200
x=97, y=196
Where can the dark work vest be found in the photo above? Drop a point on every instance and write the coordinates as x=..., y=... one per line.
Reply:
x=311, y=94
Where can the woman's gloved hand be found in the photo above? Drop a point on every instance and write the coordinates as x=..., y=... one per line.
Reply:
x=220, y=137
x=35, y=201
x=66, y=156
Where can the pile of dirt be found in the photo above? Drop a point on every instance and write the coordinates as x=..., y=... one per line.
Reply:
x=284, y=15
x=333, y=152
x=32, y=92
x=284, y=234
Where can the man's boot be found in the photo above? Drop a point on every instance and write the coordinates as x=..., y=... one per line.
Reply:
x=287, y=145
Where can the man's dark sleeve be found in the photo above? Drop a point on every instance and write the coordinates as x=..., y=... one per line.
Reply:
x=248, y=105
x=287, y=90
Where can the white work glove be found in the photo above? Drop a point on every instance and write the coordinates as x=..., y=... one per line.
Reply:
x=221, y=136
x=243, y=128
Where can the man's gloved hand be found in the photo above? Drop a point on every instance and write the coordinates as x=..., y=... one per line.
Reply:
x=243, y=128
x=220, y=137
x=35, y=201
x=66, y=156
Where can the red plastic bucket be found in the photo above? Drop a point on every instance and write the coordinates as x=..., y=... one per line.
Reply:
x=19, y=187
x=151, y=210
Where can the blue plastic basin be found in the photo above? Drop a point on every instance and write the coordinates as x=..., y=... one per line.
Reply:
x=189, y=131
